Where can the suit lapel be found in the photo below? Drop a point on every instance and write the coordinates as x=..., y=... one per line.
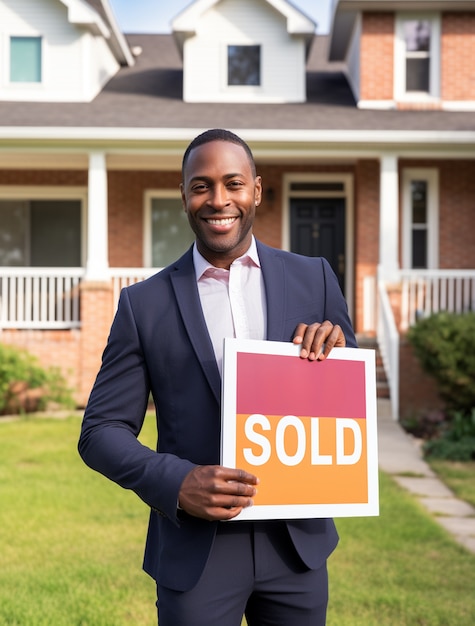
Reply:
x=183, y=281
x=275, y=285
x=186, y=292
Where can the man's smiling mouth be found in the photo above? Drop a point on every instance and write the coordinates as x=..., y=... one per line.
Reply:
x=221, y=222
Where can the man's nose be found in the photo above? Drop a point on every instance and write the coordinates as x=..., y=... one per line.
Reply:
x=219, y=197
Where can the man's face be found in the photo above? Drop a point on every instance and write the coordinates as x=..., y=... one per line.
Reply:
x=220, y=195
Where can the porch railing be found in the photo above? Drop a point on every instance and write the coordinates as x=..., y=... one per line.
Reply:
x=123, y=277
x=425, y=292
x=49, y=298
x=40, y=297
x=388, y=342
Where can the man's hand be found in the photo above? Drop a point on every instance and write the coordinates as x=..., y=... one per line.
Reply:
x=214, y=492
x=314, y=336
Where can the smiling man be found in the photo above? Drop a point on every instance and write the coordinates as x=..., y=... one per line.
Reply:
x=167, y=339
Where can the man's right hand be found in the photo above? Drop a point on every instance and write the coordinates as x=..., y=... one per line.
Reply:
x=214, y=492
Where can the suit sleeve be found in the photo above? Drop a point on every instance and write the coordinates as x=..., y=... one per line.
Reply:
x=336, y=308
x=114, y=417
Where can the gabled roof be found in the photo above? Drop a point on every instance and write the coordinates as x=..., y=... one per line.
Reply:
x=345, y=13
x=298, y=23
x=98, y=15
x=144, y=103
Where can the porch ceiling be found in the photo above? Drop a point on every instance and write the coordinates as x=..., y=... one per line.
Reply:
x=19, y=160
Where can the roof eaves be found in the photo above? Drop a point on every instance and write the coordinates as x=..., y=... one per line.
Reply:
x=383, y=139
x=298, y=23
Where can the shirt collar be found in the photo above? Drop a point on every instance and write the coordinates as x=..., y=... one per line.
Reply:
x=201, y=264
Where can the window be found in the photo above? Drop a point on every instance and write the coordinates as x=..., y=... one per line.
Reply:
x=417, y=57
x=417, y=39
x=244, y=65
x=420, y=219
x=25, y=59
x=419, y=225
x=170, y=233
x=40, y=233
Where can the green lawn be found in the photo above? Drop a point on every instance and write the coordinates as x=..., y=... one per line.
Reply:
x=71, y=547
x=460, y=477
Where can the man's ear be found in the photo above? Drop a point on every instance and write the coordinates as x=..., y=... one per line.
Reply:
x=183, y=197
x=258, y=190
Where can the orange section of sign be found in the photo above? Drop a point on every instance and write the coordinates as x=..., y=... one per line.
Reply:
x=304, y=460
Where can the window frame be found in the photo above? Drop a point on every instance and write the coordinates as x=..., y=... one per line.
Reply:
x=431, y=177
x=400, y=83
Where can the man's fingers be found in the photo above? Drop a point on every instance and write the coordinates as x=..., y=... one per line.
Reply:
x=214, y=492
x=318, y=339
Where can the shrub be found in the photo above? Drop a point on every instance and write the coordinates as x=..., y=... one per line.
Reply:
x=445, y=346
x=456, y=440
x=25, y=386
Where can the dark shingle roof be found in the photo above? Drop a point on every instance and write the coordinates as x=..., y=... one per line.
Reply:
x=149, y=95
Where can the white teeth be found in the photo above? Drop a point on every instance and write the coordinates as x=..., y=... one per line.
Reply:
x=224, y=222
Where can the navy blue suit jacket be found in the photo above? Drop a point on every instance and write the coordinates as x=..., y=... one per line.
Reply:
x=159, y=343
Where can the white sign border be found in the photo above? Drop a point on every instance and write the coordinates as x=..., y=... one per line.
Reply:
x=228, y=430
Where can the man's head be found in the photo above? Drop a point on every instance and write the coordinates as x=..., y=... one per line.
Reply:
x=217, y=134
x=220, y=192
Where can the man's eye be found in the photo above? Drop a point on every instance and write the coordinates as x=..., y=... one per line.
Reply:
x=235, y=183
x=199, y=187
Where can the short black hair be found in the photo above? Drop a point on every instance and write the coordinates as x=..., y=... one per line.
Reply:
x=218, y=134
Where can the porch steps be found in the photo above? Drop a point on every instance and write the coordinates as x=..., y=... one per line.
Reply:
x=382, y=386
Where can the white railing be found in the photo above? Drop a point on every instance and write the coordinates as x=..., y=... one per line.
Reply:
x=123, y=277
x=388, y=342
x=425, y=292
x=49, y=298
x=40, y=297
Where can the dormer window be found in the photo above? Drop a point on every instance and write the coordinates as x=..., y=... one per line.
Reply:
x=25, y=60
x=244, y=65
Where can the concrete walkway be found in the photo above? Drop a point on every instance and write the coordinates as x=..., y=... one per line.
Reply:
x=400, y=456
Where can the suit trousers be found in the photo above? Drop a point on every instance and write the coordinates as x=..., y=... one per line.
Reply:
x=253, y=570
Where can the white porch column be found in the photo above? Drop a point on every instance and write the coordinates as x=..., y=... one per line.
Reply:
x=389, y=218
x=97, y=263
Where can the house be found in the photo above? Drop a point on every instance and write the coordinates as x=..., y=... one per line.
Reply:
x=365, y=140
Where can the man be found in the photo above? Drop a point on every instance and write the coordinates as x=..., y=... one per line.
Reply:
x=167, y=339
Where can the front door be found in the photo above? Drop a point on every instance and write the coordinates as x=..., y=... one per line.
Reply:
x=317, y=228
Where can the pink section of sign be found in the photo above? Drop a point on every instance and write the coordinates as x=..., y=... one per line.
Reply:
x=287, y=385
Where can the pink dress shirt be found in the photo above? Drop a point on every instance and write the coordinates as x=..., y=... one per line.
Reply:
x=233, y=301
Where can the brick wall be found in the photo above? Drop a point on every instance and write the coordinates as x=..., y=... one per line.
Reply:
x=376, y=56
x=457, y=56
x=126, y=207
x=58, y=348
x=96, y=318
x=417, y=391
x=457, y=213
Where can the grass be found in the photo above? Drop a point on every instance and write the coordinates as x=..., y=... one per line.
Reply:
x=71, y=546
x=460, y=477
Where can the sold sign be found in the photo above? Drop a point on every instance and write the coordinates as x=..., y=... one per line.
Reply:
x=306, y=429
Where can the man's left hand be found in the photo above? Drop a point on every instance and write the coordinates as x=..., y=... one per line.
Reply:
x=318, y=339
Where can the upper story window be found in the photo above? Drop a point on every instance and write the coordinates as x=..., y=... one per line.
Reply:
x=417, y=57
x=244, y=65
x=417, y=36
x=25, y=59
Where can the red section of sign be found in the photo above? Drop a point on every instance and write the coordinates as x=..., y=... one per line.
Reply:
x=281, y=385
